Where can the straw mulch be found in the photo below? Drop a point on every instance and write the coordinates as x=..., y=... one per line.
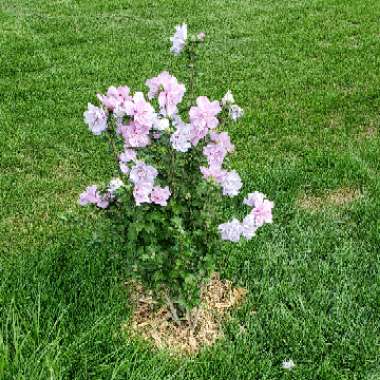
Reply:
x=156, y=325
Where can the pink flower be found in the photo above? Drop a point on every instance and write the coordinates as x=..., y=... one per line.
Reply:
x=235, y=112
x=215, y=154
x=114, y=185
x=160, y=123
x=231, y=231
x=204, y=114
x=89, y=196
x=92, y=196
x=201, y=36
x=115, y=97
x=127, y=155
x=142, y=173
x=141, y=192
x=160, y=195
x=197, y=134
x=180, y=139
x=138, y=141
x=123, y=93
x=177, y=121
x=168, y=90
x=96, y=119
x=228, y=99
x=262, y=210
x=179, y=39
x=170, y=97
x=141, y=111
x=253, y=198
x=135, y=135
x=249, y=227
x=231, y=184
x=223, y=139
x=124, y=168
x=155, y=84
x=132, y=128
x=104, y=201
x=215, y=172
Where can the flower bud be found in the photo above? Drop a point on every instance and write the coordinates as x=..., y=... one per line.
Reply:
x=201, y=36
x=228, y=99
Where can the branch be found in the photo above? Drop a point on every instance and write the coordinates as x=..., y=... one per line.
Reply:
x=172, y=309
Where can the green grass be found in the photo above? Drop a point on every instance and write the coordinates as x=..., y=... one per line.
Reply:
x=307, y=73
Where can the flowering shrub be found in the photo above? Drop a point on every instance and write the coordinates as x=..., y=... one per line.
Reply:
x=175, y=172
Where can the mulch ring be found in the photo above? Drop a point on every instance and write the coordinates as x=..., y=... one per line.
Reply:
x=156, y=325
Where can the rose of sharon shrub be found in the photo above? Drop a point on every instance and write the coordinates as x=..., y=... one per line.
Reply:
x=175, y=174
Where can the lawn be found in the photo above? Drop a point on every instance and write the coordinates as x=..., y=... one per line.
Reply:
x=307, y=73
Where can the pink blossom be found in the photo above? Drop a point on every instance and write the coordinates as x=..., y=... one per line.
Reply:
x=123, y=92
x=177, y=121
x=141, y=192
x=215, y=154
x=179, y=39
x=198, y=133
x=215, y=172
x=92, y=196
x=114, y=185
x=124, y=168
x=143, y=173
x=155, y=84
x=115, y=97
x=160, y=123
x=180, y=139
x=103, y=201
x=135, y=135
x=132, y=128
x=141, y=111
x=170, y=97
x=168, y=90
x=249, y=227
x=262, y=210
x=228, y=99
x=89, y=196
x=235, y=112
x=223, y=139
x=201, y=36
x=138, y=141
x=231, y=230
x=231, y=184
x=204, y=114
x=127, y=155
x=96, y=119
x=253, y=198
x=160, y=195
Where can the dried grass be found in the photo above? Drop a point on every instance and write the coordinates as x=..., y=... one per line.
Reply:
x=338, y=197
x=218, y=297
x=369, y=133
